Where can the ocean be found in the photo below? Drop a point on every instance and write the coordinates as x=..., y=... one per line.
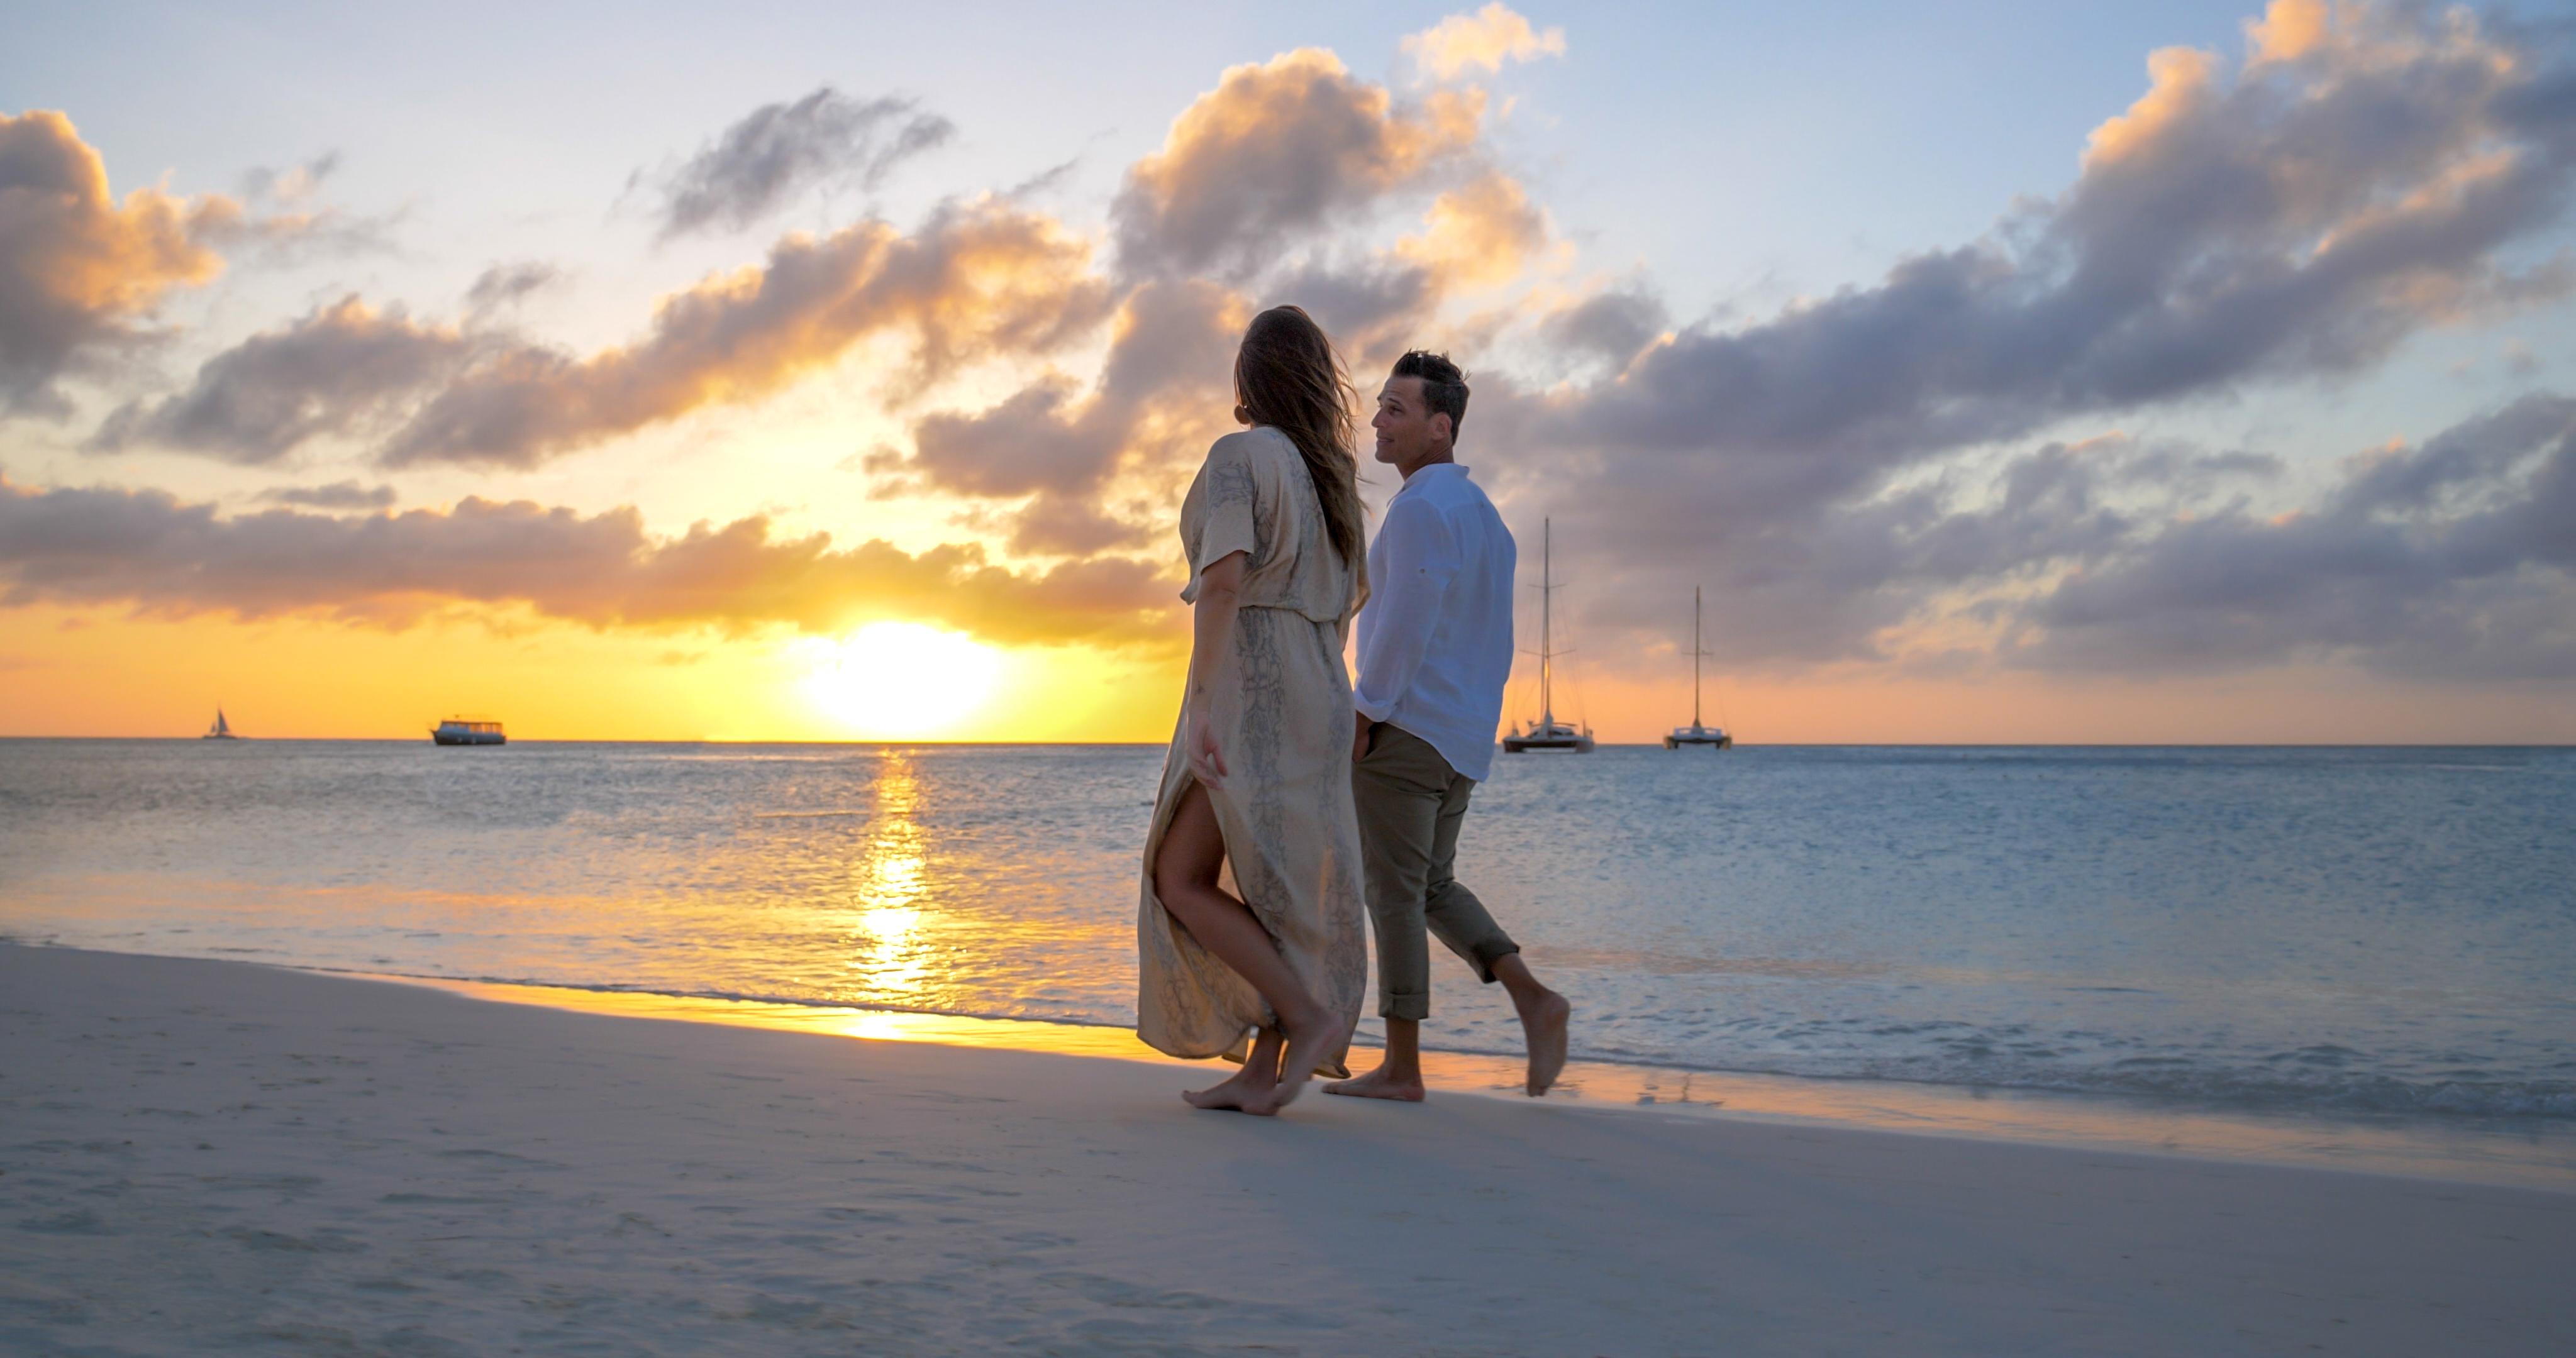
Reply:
x=2381, y=932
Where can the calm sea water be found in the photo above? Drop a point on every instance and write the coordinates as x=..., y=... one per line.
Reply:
x=2324, y=930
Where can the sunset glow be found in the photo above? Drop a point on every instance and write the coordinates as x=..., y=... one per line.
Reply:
x=903, y=680
x=2104, y=378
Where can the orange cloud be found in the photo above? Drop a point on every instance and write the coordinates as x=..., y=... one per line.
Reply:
x=168, y=558
x=77, y=267
x=1275, y=150
x=1480, y=234
x=2180, y=81
x=1483, y=41
x=979, y=280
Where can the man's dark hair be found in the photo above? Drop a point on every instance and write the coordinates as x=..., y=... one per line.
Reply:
x=1444, y=387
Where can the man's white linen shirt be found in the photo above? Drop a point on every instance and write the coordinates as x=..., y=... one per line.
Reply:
x=1436, y=637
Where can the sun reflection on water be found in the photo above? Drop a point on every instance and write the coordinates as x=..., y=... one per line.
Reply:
x=890, y=887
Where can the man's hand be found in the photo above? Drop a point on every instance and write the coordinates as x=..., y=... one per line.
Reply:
x=1360, y=728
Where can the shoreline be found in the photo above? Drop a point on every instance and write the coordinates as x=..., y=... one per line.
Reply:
x=208, y=1157
x=2531, y=1153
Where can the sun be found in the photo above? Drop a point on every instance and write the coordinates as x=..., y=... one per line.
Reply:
x=902, y=680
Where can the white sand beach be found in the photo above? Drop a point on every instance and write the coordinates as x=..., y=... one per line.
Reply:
x=208, y=1157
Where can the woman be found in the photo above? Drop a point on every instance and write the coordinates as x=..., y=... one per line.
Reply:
x=1257, y=786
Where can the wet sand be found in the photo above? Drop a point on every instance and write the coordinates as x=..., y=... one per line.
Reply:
x=208, y=1157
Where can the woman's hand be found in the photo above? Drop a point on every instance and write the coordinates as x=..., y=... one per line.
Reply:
x=1207, y=762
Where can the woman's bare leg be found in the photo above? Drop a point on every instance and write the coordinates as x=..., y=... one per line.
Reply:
x=1185, y=878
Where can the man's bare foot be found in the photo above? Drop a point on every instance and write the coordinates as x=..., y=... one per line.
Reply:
x=1247, y=1091
x=1543, y=1022
x=1378, y=1084
x=1307, y=1043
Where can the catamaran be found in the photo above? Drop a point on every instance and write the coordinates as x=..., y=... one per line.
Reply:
x=219, y=731
x=1695, y=734
x=468, y=731
x=1547, y=733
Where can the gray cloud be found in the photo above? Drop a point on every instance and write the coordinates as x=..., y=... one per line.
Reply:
x=280, y=219
x=2455, y=559
x=150, y=550
x=1613, y=326
x=340, y=370
x=503, y=284
x=753, y=167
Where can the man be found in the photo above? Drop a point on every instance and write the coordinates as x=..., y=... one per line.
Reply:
x=1435, y=652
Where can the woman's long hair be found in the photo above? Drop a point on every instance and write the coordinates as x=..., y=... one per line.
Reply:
x=1287, y=376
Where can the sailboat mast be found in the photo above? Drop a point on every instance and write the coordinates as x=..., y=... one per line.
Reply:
x=1546, y=595
x=1695, y=655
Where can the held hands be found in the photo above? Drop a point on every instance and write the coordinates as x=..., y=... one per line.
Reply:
x=1207, y=762
x=1361, y=726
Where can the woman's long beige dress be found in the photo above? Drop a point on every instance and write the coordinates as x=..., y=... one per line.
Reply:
x=1281, y=704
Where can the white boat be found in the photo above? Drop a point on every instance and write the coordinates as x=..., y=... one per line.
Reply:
x=468, y=731
x=1547, y=733
x=219, y=731
x=1715, y=737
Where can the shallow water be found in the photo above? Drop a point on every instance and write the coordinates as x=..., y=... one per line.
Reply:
x=2337, y=931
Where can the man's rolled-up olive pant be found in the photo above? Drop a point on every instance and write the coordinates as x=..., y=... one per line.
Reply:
x=1410, y=803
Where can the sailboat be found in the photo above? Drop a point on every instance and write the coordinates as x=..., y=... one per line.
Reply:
x=1714, y=737
x=219, y=731
x=1547, y=733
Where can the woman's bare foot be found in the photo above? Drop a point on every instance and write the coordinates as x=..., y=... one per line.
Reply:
x=1249, y=1088
x=1380, y=1083
x=1247, y=1091
x=1543, y=1022
x=1308, y=1040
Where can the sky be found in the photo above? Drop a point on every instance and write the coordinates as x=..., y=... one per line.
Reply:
x=2167, y=372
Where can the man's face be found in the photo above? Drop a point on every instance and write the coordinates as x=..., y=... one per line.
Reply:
x=1407, y=431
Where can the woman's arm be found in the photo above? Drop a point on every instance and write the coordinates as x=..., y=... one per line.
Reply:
x=1211, y=633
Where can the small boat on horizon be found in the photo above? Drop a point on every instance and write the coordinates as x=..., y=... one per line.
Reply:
x=219, y=731
x=468, y=731
x=1547, y=733
x=1715, y=737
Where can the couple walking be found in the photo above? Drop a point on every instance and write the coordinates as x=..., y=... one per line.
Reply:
x=1290, y=797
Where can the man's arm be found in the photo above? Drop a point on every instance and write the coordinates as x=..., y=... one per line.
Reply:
x=1421, y=559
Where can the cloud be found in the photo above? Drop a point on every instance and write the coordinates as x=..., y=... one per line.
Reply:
x=1483, y=41
x=1479, y=234
x=1290, y=152
x=779, y=150
x=1274, y=153
x=2295, y=218
x=979, y=280
x=166, y=557
x=80, y=270
x=1613, y=325
x=278, y=219
x=2454, y=560
x=1164, y=393
x=504, y=284
x=340, y=370
x=337, y=495
x=292, y=185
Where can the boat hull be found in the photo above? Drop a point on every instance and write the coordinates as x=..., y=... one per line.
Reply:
x=1570, y=744
x=467, y=738
x=1676, y=742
